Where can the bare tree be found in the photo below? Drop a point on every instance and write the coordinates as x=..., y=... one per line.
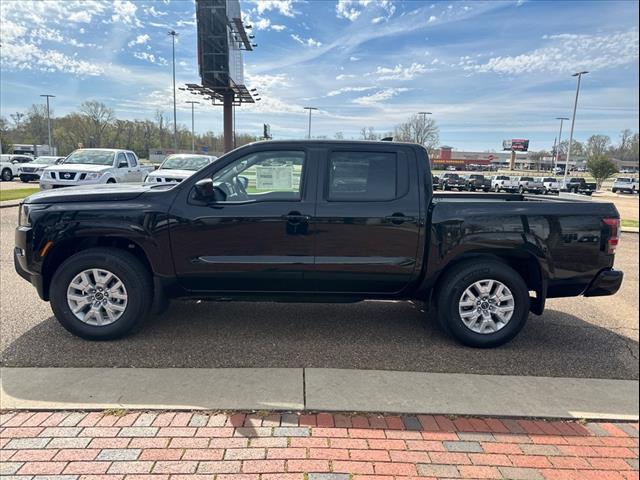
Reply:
x=339, y=136
x=368, y=133
x=418, y=129
x=597, y=146
x=99, y=117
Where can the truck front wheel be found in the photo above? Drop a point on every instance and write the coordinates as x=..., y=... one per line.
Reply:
x=7, y=175
x=101, y=293
x=483, y=304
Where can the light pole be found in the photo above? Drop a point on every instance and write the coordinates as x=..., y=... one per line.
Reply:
x=562, y=119
x=173, y=34
x=49, y=121
x=193, y=134
x=573, y=122
x=310, y=109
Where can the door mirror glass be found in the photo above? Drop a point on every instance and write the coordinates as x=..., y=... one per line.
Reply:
x=205, y=191
x=244, y=181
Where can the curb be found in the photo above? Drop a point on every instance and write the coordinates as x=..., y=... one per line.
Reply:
x=630, y=230
x=10, y=203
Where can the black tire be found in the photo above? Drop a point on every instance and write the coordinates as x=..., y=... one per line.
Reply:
x=111, y=180
x=24, y=179
x=614, y=190
x=135, y=277
x=458, y=279
x=496, y=189
x=522, y=191
x=7, y=175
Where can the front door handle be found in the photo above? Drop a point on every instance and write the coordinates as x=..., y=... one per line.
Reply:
x=399, y=218
x=296, y=218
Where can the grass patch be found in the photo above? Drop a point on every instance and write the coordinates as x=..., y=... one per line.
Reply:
x=17, y=193
x=630, y=223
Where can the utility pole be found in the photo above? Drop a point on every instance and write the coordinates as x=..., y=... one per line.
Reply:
x=173, y=34
x=562, y=119
x=310, y=110
x=49, y=121
x=573, y=122
x=193, y=134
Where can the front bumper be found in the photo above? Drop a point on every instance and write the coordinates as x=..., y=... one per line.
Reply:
x=607, y=282
x=21, y=260
x=48, y=183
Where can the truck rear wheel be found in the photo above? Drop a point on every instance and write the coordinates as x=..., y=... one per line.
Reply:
x=101, y=293
x=483, y=304
x=7, y=175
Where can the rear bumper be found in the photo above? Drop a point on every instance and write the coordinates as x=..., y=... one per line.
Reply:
x=607, y=282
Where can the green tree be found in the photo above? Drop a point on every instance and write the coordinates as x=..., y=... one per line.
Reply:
x=601, y=168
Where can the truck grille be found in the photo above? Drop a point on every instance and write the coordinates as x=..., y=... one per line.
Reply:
x=169, y=180
x=28, y=169
x=63, y=175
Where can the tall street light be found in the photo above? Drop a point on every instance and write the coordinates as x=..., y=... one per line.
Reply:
x=562, y=119
x=49, y=121
x=573, y=121
x=173, y=34
x=193, y=134
x=310, y=109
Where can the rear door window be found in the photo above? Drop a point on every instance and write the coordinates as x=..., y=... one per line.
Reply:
x=133, y=162
x=366, y=177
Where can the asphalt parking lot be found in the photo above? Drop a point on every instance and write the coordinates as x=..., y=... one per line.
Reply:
x=579, y=337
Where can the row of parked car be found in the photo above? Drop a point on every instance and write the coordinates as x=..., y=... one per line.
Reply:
x=505, y=183
x=88, y=166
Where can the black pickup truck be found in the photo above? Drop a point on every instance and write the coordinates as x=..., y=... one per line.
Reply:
x=312, y=221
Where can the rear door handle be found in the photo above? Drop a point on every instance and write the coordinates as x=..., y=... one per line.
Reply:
x=295, y=218
x=399, y=218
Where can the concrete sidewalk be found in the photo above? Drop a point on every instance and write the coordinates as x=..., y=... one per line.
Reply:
x=317, y=390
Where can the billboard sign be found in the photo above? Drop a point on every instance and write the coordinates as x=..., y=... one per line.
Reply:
x=516, y=145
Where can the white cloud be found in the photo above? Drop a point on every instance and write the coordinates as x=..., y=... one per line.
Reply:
x=124, y=11
x=399, y=72
x=278, y=28
x=80, y=17
x=568, y=53
x=378, y=97
x=151, y=58
x=432, y=19
x=352, y=9
x=310, y=42
x=154, y=13
x=344, y=76
x=139, y=40
x=340, y=91
x=353, y=59
x=262, y=24
x=283, y=7
x=25, y=56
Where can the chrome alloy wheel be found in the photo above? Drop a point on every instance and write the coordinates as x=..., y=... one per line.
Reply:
x=97, y=297
x=486, y=306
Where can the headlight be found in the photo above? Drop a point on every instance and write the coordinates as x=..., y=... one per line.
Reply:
x=149, y=179
x=93, y=176
x=24, y=219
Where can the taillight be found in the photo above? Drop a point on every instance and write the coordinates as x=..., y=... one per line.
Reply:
x=614, y=234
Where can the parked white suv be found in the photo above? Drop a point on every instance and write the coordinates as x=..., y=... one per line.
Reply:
x=10, y=165
x=503, y=182
x=93, y=165
x=176, y=168
x=551, y=185
x=625, y=184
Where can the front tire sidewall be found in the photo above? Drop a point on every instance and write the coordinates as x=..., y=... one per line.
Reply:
x=123, y=265
x=6, y=175
x=461, y=279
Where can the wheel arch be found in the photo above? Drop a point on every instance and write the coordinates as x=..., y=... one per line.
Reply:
x=64, y=249
x=526, y=264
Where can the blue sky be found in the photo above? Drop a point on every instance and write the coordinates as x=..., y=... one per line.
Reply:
x=487, y=70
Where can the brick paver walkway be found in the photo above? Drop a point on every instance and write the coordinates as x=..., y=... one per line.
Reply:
x=181, y=445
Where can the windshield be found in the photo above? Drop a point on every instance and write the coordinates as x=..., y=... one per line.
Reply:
x=549, y=179
x=90, y=157
x=502, y=177
x=185, y=162
x=624, y=180
x=47, y=160
x=527, y=179
x=477, y=177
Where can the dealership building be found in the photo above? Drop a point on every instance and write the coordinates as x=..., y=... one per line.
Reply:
x=446, y=156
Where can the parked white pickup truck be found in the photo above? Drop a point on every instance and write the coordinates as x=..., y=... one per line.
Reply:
x=10, y=164
x=529, y=184
x=177, y=167
x=503, y=183
x=94, y=165
x=551, y=185
x=625, y=184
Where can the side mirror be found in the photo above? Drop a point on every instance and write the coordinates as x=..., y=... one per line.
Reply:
x=123, y=164
x=244, y=181
x=205, y=191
